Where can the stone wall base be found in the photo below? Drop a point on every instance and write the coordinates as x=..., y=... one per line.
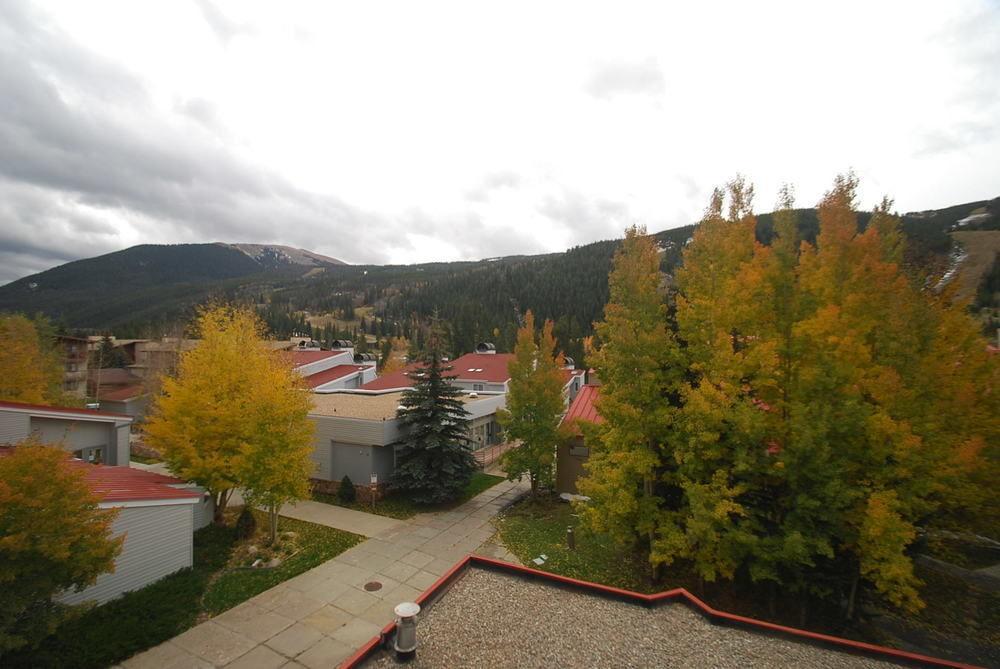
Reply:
x=367, y=493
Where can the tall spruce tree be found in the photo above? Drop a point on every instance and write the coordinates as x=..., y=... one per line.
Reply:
x=434, y=459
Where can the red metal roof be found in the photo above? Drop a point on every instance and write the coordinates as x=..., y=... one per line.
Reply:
x=475, y=367
x=332, y=374
x=125, y=484
x=488, y=367
x=583, y=407
x=21, y=406
x=122, y=394
x=397, y=379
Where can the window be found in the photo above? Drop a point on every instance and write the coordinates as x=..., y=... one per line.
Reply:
x=478, y=387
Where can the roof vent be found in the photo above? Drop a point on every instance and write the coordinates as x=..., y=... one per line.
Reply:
x=485, y=348
x=405, y=642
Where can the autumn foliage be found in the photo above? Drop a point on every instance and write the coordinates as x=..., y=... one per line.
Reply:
x=235, y=415
x=534, y=404
x=805, y=412
x=53, y=537
x=30, y=367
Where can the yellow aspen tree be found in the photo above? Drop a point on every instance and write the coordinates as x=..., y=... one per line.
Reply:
x=53, y=537
x=629, y=472
x=231, y=398
x=534, y=404
x=29, y=368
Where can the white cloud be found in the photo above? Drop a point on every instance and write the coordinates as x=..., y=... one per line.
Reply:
x=416, y=131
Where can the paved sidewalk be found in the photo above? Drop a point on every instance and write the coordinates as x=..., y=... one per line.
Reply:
x=349, y=520
x=320, y=617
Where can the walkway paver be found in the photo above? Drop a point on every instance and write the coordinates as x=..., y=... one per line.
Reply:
x=320, y=617
x=349, y=520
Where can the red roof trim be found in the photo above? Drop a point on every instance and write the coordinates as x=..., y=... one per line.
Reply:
x=21, y=406
x=713, y=615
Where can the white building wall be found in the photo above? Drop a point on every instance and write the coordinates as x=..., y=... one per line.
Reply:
x=158, y=542
x=14, y=426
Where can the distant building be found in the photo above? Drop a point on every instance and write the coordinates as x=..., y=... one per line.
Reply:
x=571, y=456
x=354, y=433
x=92, y=436
x=157, y=516
x=74, y=361
x=482, y=371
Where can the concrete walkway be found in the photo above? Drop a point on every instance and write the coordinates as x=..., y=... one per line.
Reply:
x=337, y=517
x=320, y=617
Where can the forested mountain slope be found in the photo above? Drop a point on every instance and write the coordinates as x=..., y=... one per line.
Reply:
x=145, y=286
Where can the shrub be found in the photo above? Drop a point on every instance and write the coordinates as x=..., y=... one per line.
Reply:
x=246, y=523
x=346, y=493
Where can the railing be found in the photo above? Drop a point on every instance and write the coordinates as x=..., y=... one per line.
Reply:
x=487, y=455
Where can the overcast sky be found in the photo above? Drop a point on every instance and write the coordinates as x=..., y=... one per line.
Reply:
x=382, y=132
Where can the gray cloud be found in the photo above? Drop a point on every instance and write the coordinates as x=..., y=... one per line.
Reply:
x=954, y=138
x=491, y=182
x=224, y=28
x=615, y=79
x=587, y=219
x=66, y=159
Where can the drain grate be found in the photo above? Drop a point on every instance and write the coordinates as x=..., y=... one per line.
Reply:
x=372, y=586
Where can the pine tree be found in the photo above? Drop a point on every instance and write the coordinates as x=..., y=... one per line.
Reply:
x=535, y=405
x=434, y=459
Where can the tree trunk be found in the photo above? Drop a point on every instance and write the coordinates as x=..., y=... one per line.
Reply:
x=272, y=517
x=221, y=500
x=851, y=599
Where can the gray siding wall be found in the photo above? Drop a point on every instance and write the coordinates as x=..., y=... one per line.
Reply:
x=204, y=510
x=13, y=426
x=75, y=434
x=353, y=431
x=135, y=407
x=359, y=462
x=123, y=449
x=158, y=542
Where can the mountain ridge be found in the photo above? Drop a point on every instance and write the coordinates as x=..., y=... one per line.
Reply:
x=144, y=285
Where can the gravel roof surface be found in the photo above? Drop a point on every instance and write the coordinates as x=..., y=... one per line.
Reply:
x=494, y=620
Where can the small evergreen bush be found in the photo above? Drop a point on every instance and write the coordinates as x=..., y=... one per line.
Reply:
x=346, y=493
x=246, y=523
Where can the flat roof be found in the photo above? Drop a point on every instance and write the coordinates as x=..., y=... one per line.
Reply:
x=494, y=619
x=367, y=406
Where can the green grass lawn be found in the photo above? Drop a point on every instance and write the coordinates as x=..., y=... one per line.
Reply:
x=398, y=506
x=538, y=527
x=107, y=634
x=144, y=460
